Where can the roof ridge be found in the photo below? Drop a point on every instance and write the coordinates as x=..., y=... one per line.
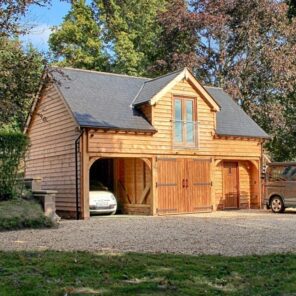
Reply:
x=162, y=76
x=101, y=72
x=152, y=80
x=139, y=91
x=209, y=86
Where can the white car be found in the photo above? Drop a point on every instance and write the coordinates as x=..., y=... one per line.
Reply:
x=102, y=202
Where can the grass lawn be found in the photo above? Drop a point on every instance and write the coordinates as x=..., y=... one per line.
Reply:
x=20, y=213
x=82, y=273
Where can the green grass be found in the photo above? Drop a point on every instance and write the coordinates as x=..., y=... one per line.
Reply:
x=82, y=273
x=20, y=213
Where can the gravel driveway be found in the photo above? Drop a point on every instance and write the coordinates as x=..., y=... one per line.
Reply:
x=227, y=233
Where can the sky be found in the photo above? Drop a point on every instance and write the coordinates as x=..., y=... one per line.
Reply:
x=43, y=18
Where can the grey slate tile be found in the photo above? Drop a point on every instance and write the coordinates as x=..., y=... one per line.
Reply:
x=232, y=120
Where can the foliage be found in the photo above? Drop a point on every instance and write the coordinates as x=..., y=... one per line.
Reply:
x=119, y=36
x=77, y=42
x=177, y=41
x=282, y=145
x=13, y=146
x=82, y=273
x=292, y=8
x=20, y=213
x=11, y=12
x=132, y=33
x=20, y=72
x=248, y=48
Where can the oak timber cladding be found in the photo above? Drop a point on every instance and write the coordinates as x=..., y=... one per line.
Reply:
x=51, y=155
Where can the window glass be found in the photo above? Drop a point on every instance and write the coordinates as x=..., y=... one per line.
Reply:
x=280, y=173
x=178, y=132
x=189, y=122
x=189, y=110
x=178, y=110
x=291, y=173
x=178, y=122
x=190, y=132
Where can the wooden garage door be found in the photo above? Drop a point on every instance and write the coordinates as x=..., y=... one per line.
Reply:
x=170, y=172
x=199, y=185
x=167, y=185
x=184, y=185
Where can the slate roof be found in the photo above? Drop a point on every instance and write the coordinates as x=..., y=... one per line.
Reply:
x=101, y=99
x=105, y=100
x=231, y=119
x=151, y=87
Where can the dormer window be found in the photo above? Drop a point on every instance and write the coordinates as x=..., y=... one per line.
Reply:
x=184, y=122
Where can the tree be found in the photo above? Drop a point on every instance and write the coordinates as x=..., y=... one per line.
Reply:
x=77, y=42
x=177, y=39
x=292, y=8
x=20, y=72
x=248, y=48
x=11, y=12
x=131, y=31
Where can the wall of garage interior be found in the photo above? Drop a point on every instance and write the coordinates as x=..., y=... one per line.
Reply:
x=133, y=185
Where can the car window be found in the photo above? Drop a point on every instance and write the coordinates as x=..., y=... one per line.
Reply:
x=292, y=174
x=278, y=173
x=281, y=173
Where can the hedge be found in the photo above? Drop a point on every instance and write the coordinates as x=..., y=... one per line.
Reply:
x=13, y=146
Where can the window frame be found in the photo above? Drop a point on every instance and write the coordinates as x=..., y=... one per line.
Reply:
x=184, y=143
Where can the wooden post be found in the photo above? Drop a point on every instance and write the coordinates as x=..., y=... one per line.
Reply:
x=260, y=188
x=85, y=178
x=154, y=199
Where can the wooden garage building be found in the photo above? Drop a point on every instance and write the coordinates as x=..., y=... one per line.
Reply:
x=164, y=146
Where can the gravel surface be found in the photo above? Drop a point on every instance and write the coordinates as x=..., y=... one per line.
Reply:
x=227, y=233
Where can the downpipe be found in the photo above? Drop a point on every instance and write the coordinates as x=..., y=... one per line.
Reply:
x=77, y=141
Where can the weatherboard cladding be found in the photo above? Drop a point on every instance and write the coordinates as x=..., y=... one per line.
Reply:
x=105, y=100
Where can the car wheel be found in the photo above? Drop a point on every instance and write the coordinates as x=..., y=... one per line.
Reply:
x=112, y=213
x=277, y=205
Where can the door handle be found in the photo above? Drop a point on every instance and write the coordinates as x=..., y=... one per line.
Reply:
x=187, y=183
x=183, y=183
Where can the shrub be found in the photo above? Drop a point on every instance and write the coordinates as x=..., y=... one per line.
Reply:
x=13, y=146
x=20, y=213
